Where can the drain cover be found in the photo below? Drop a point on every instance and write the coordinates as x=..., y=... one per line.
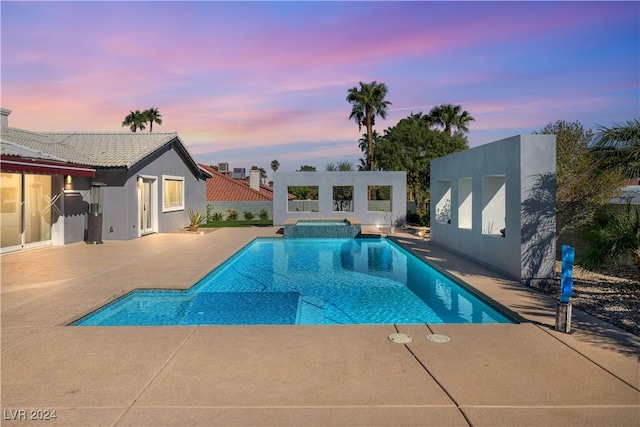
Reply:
x=438, y=338
x=400, y=338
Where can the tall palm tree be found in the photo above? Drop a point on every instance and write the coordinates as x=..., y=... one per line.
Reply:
x=450, y=116
x=135, y=120
x=152, y=115
x=363, y=144
x=619, y=147
x=275, y=165
x=368, y=102
x=263, y=175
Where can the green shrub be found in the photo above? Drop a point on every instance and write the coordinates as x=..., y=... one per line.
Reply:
x=421, y=217
x=263, y=214
x=196, y=218
x=248, y=215
x=213, y=216
x=425, y=217
x=232, y=215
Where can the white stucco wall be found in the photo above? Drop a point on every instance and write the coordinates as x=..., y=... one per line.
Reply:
x=325, y=181
x=512, y=187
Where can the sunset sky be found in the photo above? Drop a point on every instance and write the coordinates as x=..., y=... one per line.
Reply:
x=249, y=82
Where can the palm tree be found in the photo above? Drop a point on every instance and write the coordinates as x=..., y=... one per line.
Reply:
x=275, y=165
x=363, y=143
x=135, y=120
x=612, y=235
x=449, y=116
x=152, y=115
x=619, y=147
x=368, y=102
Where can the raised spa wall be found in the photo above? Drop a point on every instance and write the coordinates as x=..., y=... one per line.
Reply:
x=322, y=228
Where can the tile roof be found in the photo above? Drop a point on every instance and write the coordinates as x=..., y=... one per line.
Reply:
x=221, y=188
x=11, y=149
x=102, y=149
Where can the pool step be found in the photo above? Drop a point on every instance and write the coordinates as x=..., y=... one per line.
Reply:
x=310, y=311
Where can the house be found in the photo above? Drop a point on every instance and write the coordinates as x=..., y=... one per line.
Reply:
x=138, y=183
x=226, y=191
x=629, y=193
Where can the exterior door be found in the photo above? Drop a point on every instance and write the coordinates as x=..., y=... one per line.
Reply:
x=146, y=205
x=25, y=209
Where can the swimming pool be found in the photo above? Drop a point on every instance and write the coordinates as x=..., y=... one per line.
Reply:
x=307, y=281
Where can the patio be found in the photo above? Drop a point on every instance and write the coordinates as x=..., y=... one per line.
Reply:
x=486, y=375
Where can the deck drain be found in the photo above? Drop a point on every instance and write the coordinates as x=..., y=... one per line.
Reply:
x=438, y=338
x=400, y=338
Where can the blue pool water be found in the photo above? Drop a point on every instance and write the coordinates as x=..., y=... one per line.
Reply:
x=307, y=281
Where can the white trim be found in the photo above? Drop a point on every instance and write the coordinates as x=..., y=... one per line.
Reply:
x=173, y=208
x=153, y=202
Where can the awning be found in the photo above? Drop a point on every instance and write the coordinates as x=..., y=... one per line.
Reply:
x=38, y=166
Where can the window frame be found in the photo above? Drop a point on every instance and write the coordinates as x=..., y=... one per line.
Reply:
x=172, y=178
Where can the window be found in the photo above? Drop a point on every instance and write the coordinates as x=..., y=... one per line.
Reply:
x=443, y=202
x=343, y=199
x=464, y=203
x=173, y=193
x=493, y=205
x=306, y=199
x=379, y=198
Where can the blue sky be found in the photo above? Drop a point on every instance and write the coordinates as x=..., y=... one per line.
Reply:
x=250, y=82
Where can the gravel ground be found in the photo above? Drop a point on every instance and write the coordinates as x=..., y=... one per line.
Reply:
x=201, y=230
x=611, y=294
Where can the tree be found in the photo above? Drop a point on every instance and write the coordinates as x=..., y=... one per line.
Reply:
x=341, y=166
x=619, y=147
x=306, y=168
x=367, y=103
x=449, y=116
x=581, y=186
x=410, y=146
x=275, y=165
x=263, y=175
x=611, y=236
x=135, y=120
x=152, y=115
x=363, y=143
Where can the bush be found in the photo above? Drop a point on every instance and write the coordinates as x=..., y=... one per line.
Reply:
x=213, y=216
x=263, y=214
x=422, y=217
x=232, y=215
x=248, y=215
x=196, y=218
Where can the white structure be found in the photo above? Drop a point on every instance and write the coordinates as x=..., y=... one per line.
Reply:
x=629, y=193
x=496, y=204
x=367, y=196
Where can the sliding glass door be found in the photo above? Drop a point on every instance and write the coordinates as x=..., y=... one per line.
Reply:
x=25, y=210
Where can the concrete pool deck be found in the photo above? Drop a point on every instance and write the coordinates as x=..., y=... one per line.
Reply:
x=486, y=375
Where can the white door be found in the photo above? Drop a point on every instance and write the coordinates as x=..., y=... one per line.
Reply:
x=146, y=200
